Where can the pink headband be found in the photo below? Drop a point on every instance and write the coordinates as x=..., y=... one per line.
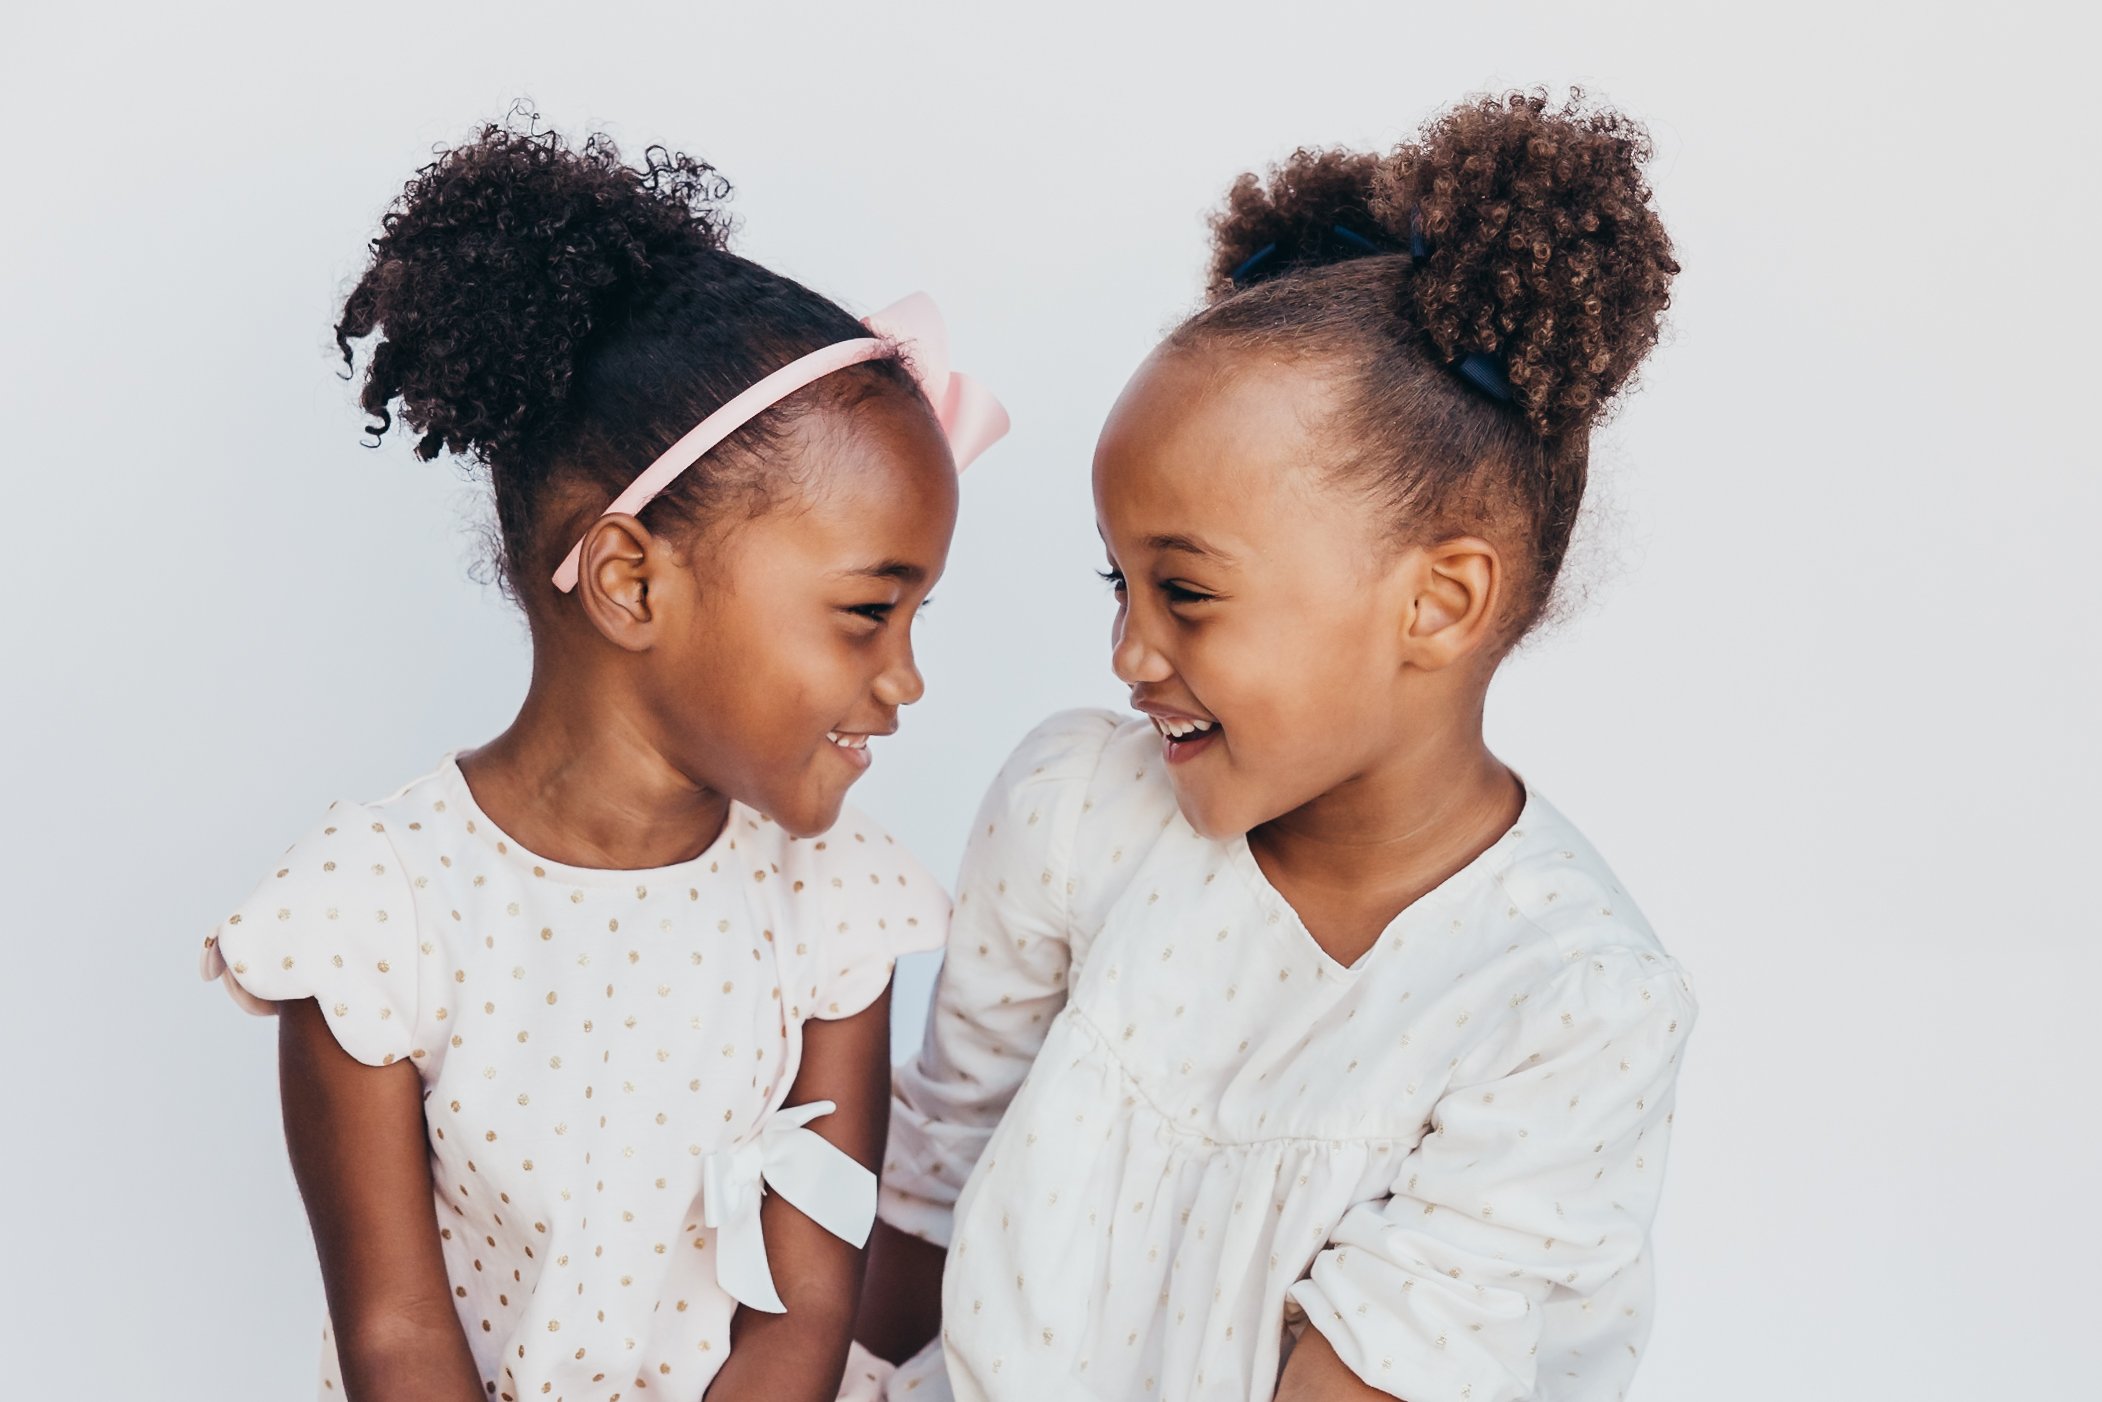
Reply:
x=968, y=413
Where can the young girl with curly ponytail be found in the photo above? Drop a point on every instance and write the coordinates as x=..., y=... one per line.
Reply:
x=584, y=1033
x=1289, y=1043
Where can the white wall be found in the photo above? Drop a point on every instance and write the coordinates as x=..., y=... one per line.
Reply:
x=1832, y=711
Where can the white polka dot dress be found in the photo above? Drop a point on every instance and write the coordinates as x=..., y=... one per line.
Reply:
x=595, y=1045
x=1161, y=1131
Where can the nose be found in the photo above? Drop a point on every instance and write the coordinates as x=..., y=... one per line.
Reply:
x=1132, y=657
x=900, y=682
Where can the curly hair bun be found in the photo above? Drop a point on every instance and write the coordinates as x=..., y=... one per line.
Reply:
x=1270, y=228
x=1543, y=251
x=499, y=260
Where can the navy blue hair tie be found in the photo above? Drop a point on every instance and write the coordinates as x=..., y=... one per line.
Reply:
x=1239, y=276
x=1354, y=239
x=1350, y=238
x=1477, y=368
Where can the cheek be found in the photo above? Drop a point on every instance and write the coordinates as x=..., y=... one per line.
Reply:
x=758, y=680
x=1290, y=685
x=805, y=684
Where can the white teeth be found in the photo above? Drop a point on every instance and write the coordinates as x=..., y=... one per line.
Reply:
x=1176, y=728
x=847, y=742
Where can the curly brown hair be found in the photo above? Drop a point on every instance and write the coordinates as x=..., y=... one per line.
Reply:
x=1511, y=231
x=560, y=318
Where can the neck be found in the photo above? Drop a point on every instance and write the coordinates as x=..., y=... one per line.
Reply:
x=576, y=779
x=1395, y=831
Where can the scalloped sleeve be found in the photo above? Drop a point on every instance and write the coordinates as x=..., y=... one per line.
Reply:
x=335, y=921
x=877, y=903
x=1534, y=1188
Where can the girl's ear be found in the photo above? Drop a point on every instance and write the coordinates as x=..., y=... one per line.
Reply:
x=622, y=574
x=1457, y=589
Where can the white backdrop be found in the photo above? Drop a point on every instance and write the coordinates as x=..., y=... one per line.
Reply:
x=1831, y=709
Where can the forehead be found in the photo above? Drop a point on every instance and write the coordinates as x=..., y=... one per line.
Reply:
x=1221, y=446
x=873, y=483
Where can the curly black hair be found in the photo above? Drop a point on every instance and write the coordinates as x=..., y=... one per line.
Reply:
x=560, y=318
x=1509, y=229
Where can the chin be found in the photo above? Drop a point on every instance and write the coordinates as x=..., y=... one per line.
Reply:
x=1210, y=816
x=808, y=816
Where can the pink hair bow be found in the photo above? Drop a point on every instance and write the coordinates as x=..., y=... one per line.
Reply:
x=969, y=415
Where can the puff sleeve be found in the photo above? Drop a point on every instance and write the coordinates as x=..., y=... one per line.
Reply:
x=1003, y=978
x=1535, y=1187
x=335, y=922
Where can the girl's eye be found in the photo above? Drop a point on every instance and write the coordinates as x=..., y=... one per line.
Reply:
x=875, y=613
x=1179, y=594
x=1114, y=578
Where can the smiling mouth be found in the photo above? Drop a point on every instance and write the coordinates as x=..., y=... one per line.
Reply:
x=850, y=746
x=1185, y=737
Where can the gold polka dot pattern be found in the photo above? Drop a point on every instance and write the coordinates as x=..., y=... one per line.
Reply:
x=583, y=1045
x=1187, y=1128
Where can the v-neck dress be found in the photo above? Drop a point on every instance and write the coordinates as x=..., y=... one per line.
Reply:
x=1161, y=1131
x=596, y=1046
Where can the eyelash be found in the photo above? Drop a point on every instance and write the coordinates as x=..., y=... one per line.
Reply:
x=1175, y=592
x=880, y=613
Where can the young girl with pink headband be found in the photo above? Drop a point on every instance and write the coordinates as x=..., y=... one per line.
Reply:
x=584, y=1034
x=1289, y=1044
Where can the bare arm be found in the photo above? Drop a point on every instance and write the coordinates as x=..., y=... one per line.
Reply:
x=1315, y=1374
x=356, y=1136
x=801, y=1354
x=901, y=1310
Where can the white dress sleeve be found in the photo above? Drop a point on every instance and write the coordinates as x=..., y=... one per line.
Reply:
x=1540, y=1174
x=335, y=922
x=1003, y=978
x=878, y=902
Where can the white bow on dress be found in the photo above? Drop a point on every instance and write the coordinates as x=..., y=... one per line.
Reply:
x=816, y=1175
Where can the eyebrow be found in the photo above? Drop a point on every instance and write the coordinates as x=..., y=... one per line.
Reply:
x=1189, y=545
x=902, y=571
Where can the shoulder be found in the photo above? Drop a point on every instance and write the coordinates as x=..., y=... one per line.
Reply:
x=334, y=919
x=343, y=870
x=1587, y=966
x=422, y=811
x=1560, y=885
x=1076, y=804
x=381, y=838
x=1093, y=768
x=858, y=862
x=1604, y=1013
x=857, y=899
x=1077, y=769
x=1060, y=754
